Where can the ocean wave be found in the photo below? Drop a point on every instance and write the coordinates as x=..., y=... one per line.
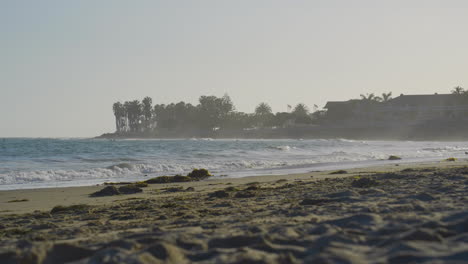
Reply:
x=87, y=160
x=123, y=170
x=282, y=148
x=446, y=149
x=98, y=160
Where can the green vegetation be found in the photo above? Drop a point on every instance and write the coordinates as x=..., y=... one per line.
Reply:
x=211, y=113
x=214, y=116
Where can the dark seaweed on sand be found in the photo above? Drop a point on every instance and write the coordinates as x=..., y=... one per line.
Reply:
x=195, y=175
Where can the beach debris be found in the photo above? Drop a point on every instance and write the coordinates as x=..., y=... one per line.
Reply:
x=168, y=179
x=231, y=189
x=70, y=209
x=195, y=175
x=339, y=172
x=411, y=216
x=219, y=194
x=364, y=182
x=394, y=157
x=130, y=189
x=18, y=201
x=451, y=159
x=141, y=184
x=253, y=188
x=107, y=191
x=126, y=189
x=138, y=184
x=245, y=194
x=199, y=174
x=169, y=205
x=343, y=194
x=116, y=183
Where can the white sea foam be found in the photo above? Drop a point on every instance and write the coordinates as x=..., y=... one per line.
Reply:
x=28, y=162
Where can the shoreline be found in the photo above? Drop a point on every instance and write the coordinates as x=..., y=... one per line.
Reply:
x=48, y=197
x=385, y=214
x=292, y=170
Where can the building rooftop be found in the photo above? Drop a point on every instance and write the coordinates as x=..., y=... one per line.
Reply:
x=429, y=100
x=409, y=100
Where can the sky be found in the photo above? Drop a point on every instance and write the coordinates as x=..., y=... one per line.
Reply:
x=64, y=63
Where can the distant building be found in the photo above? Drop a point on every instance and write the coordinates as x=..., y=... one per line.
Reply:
x=404, y=108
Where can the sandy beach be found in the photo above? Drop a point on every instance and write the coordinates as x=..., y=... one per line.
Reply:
x=399, y=213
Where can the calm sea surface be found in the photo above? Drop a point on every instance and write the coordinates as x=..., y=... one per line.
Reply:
x=33, y=163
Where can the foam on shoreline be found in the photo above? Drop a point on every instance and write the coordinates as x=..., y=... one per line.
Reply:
x=386, y=214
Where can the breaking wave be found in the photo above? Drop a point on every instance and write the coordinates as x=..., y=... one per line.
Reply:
x=24, y=162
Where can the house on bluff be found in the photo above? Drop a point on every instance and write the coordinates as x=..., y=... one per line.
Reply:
x=404, y=109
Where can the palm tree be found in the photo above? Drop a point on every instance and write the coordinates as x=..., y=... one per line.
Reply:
x=119, y=114
x=262, y=109
x=146, y=108
x=386, y=96
x=134, y=111
x=301, y=110
x=262, y=115
x=370, y=97
x=458, y=90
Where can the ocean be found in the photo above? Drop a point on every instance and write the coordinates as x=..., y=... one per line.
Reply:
x=47, y=162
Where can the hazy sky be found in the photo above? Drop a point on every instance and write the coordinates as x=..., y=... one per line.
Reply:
x=64, y=63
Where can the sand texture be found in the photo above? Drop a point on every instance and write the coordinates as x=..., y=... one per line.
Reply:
x=407, y=214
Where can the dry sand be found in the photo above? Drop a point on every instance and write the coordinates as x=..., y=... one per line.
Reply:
x=388, y=214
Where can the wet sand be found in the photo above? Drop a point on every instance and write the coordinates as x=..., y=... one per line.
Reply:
x=387, y=214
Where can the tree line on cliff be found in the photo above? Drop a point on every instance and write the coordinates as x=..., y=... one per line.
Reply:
x=213, y=113
x=210, y=113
